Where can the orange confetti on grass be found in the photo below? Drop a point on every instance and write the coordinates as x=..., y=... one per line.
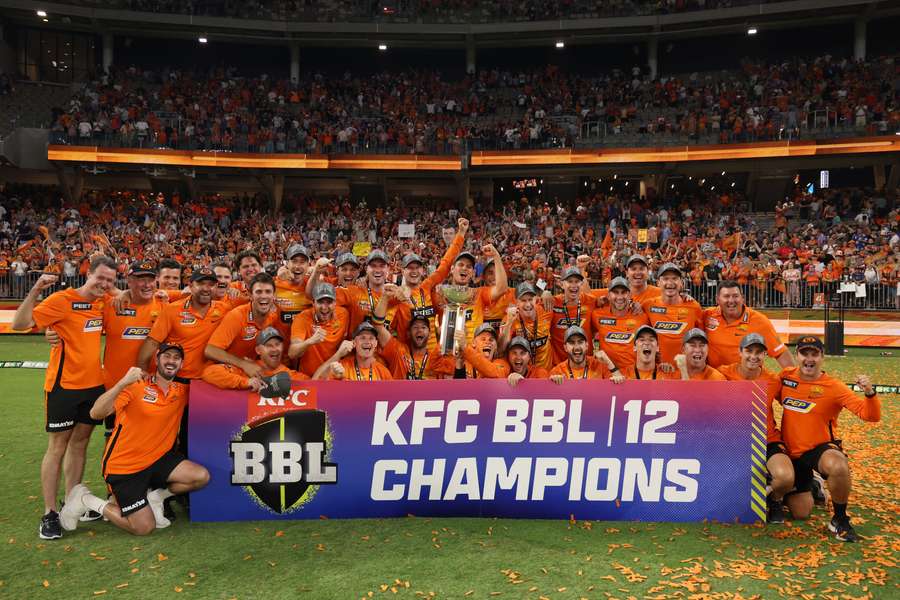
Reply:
x=161, y=557
x=99, y=592
x=45, y=583
x=279, y=533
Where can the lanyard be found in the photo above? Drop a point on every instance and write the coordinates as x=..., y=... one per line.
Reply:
x=411, y=374
x=531, y=338
x=568, y=321
x=359, y=374
x=371, y=299
x=421, y=298
x=637, y=375
x=583, y=373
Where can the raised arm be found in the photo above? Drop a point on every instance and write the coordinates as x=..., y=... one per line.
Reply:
x=501, y=285
x=24, y=318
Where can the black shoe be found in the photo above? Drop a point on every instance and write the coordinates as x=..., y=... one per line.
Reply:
x=775, y=515
x=842, y=530
x=168, y=512
x=90, y=515
x=50, y=528
x=818, y=493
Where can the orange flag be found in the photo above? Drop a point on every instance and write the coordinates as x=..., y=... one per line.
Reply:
x=607, y=244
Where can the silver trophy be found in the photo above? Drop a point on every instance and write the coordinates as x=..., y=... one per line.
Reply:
x=457, y=298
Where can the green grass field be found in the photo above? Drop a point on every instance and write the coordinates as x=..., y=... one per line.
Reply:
x=447, y=558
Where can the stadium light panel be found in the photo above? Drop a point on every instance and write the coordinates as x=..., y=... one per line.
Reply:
x=560, y=45
x=202, y=40
x=752, y=31
x=45, y=20
x=382, y=47
x=42, y=13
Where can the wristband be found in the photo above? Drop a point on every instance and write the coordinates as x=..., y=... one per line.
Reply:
x=872, y=395
x=614, y=369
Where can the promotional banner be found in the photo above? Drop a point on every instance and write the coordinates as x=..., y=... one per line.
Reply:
x=648, y=450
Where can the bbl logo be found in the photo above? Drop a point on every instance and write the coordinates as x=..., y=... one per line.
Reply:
x=281, y=460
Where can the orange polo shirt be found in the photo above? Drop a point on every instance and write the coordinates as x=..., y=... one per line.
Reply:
x=592, y=369
x=616, y=334
x=237, y=332
x=537, y=332
x=126, y=331
x=563, y=316
x=725, y=338
x=671, y=322
x=181, y=324
x=336, y=331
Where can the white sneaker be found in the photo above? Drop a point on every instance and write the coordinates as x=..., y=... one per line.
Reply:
x=74, y=507
x=156, y=506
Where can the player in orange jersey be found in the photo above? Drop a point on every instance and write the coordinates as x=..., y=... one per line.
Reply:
x=290, y=292
x=812, y=402
x=318, y=332
x=671, y=314
x=528, y=319
x=637, y=272
x=247, y=263
x=462, y=272
x=646, y=357
x=362, y=365
x=615, y=323
x=572, y=307
x=518, y=355
x=579, y=365
x=692, y=360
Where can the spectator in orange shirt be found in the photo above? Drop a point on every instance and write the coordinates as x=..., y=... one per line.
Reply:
x=692, y=360
x=518, y=355
x=579, y=365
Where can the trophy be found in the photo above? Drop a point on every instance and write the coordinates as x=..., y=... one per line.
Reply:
x=457, y=297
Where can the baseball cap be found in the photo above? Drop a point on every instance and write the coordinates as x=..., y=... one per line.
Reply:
x=645, y=329
x=466, y=254
x=324, y=290
x=695, y=333
x=346, y=257
x=636, y=258
x=669, y=267
x=169, y=346
x=411, y=258
x=296, y=250
x=572, y=272
x=485, y=327
x=619, y=282
x=753, y=338
x=267, y=334
x=525, y=288
x=365, y=326
x=575, y=330
x=417, y=316
x=277, y=385
x=204, y=274
x=377, y=255
x=810, y=341
x=144, y=267
x=520, y=342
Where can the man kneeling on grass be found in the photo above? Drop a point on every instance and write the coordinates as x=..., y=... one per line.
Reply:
x=139, y=462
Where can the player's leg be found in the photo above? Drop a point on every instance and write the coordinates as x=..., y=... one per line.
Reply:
x=129, y=508
x=187, y=477
x=781, y=471
x=76, y=454
x=833, y=465
x=51, y=467
x=800, y=504
x=139, y=522
x=799, y=499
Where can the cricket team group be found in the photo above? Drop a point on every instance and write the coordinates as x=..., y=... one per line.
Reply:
x=339, y=318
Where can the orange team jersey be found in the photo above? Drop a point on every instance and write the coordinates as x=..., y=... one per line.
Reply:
x=651, y=291
x=147, y=421
x=495, y=312
x=75, y=361
x=537, y=332
x=708, y=374
x=772, y=385
x=237, y=332
x=725, y=338
x=632, y=372
x=422, y=298
x=671, y=322
x=563, y=316
x=336, y=331
x=126, y=330
x=354, y=372
x=535, y=372
x=428, y=364
x=359, y=302
x=291, y=298
x=229, y=377
x=476, y=365
x=616, y=334
x=179, y=323
x=592, y=369
x=811, y=409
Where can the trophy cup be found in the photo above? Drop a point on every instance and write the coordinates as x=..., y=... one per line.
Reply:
x=457, y=297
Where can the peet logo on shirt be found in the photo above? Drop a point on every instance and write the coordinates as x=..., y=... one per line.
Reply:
x=126, y=312
x=789, y=383
x=92, y=325
x=81, y=306
x=798, y=405
x=606, y=321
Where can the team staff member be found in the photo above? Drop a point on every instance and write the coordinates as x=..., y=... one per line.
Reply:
x=671, y=314
x=750, y=368
x=812, y=402
x=572, y=307
x=317, y=333
x=692, y=361
x=290, y=293
x=518, y=355
x=420, y=289
x=140, y=455
x=615, y=324
x=234, y=340
x=362, y=365
x=728, y=323
x=74, y=377
x=646, y=357
x=529, y=320
x=579, y=365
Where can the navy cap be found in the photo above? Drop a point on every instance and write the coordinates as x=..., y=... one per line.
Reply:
x=636, y=258
x=810, y=341
x=694, y=334
x=377, y=255
x=346, y=257
x=296, y=250
x=144, y=267
x=619, y=282
x=575, y=330
x=165, y=346
x=485, y=327
x=645, y=329
x=267, y=334
x=411, y=258
x=324, y=290
x=204, y=274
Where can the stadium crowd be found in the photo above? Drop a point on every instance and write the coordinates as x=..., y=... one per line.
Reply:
x=816, y=240
x=424, y=112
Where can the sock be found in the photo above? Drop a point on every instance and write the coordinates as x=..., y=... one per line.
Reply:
x=162, y=493
x=840, y=510
x=94, y=503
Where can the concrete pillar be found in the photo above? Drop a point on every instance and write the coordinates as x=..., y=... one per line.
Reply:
x=859, y=39
x=878, y=174
x=107, y=51
x=295, y=62
x=893, y=179
x=653, y=56
x=278, y=193
x=462, y=190
x=470, y=54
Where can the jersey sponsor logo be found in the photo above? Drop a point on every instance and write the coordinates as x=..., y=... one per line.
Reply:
x=250, y=332
x=660, y=310
x=798, y=405
x=618, y=337
x=607, y=321
x=669, y=326
x=135, y=333
x=126, y=312
x=81, y=306
x=712, y=323
x=538, y=342
x=150, y=395
x=287, y=317
x=187, y=319
x=789, y=383
x=92, y=325
x=425, y=311
x=816, y=391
